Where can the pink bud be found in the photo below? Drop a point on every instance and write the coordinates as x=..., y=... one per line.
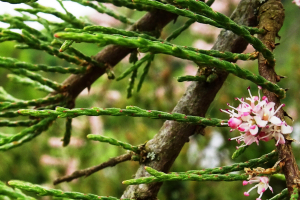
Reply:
x=259, y=87
x=234, y=122
x=248, y=88
x=245, y=183
x=246, y=194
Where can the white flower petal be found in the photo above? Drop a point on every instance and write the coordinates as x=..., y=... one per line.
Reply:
x=259, y=121
x=285, y=129
x=253, y=130
x=275, y=120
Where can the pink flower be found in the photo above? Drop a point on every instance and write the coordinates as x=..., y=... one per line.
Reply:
x=256, y=120
x=297, y=2
x=262, y=186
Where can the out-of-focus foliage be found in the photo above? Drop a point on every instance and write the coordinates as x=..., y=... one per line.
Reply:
x=44, y=159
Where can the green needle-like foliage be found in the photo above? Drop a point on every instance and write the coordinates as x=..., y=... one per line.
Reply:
x=282, y=195
x=191, y=78
x=35, y=102
x=34, y=43
x=130, y=111
x=206, y=19
x=295, y=194
x=19, y=24
x=144, y=74
x=11, y=63
x=42, y=191
x=4, y=96
x=25, y=135
x=227, y=23
x=66, y=45
x=13, y=193
x=9, y=114
x=131, y=83
x=113, y=141
x=178, y=31
x=228, y=56
x=145, y=45
x=9, y=123
x=29, y=82
x=218, y=170
x=67, y=136
x=240, y=150
x=69, y=18
x=18, y=1
x=37, y=77
x=160, y=177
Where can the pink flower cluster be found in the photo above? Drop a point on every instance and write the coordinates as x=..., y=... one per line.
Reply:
x=262, y=186
x=256, y=120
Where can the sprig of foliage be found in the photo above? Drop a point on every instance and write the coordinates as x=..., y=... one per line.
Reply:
x=29, y=82
x=283, y=194
x=162, y=177
x=32, y=42
x=25, y=135
x=35, y=102
x=11, y=63
x=218, y=170
x=13, y=193
x=113, y=141
x=9, y=123
x=130, y=111
x=145, y=45
x=42, y=191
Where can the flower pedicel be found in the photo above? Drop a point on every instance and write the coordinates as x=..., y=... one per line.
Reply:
x=256, y=120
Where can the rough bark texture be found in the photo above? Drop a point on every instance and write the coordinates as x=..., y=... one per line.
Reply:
x=173, y=135
x=271, y=16
x=152, y=22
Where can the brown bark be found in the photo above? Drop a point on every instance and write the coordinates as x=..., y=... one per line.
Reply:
x=173, y=135
x=271, y=17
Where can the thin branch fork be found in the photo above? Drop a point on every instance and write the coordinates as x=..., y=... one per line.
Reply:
x=88, y=171
x=271, y=17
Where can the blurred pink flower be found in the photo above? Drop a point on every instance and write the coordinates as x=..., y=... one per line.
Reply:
x=220, y=6
x=96, y=125
x=49, y=160
x=297, y=2
x=200, y=44
x=56, y=142
x=204, y=29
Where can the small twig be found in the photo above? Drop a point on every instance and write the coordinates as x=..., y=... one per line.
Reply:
x=88, y=171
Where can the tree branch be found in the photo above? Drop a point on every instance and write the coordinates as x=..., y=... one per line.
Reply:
x=88, y=171
x=271, y=17
x=172, y=136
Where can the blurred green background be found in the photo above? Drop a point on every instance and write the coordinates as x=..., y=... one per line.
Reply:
x=44, y=159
